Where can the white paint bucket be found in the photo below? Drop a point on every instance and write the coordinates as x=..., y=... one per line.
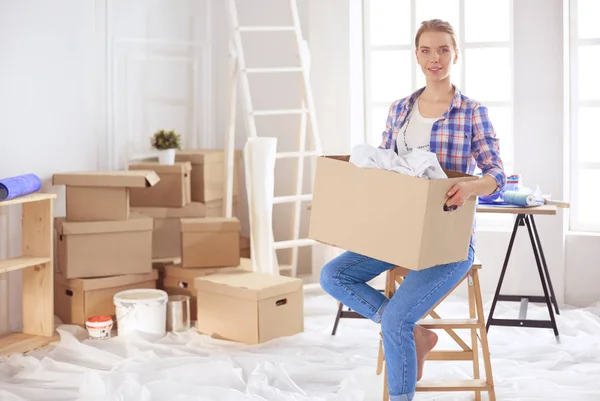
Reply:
x=142, y=311
x=99, y=327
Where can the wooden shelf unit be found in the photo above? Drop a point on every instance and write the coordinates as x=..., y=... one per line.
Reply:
x=36, y=264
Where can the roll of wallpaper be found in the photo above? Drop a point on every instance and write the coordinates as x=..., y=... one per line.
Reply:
x=519, y=198
x=259, y=158
x=14, y=187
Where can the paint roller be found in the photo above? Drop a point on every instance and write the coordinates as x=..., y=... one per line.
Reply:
x=519, y=198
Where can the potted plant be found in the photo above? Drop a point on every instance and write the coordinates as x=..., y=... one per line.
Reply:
x=166, y=142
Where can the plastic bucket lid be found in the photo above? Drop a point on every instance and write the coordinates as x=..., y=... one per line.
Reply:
x=140, y=296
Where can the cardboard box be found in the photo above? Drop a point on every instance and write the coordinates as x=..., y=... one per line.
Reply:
x=180, y=281
x=76, y=300
x=166, y=236
x=102, y=196
x=249, y=307
x=208, y=172
x=104, y=248
x=389, y=216
x=214, y=208
x=244, y=247
x=210, y=242
x=173, y=190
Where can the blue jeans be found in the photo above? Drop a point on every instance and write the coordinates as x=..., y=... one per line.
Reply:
x=345, y=279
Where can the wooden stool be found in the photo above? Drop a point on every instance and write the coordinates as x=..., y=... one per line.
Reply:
x=467, y=353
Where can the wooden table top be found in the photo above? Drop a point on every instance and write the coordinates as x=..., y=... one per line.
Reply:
x=544, y=209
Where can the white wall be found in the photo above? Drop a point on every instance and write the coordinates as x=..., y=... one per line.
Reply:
x=46, y=97
x=84, y=84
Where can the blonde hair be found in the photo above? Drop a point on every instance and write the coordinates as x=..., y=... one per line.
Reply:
x=436, y=25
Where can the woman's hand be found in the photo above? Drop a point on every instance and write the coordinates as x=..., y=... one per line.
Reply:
x=460, y=193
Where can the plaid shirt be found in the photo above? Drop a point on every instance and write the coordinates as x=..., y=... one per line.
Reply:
x=462, y=138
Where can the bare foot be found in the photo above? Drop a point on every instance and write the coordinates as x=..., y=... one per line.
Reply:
x=425, y=340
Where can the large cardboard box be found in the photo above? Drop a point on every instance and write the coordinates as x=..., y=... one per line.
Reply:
x=76, y=300
x=210, y=242
x=208, y=172
x=173, y=190
x=389, y=216
x=249, y=307
x=101, y=196
x=104, y=248
x=166, y=236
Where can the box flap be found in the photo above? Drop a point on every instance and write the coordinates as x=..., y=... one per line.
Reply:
x=119, y=178
x=201, y=156
x=177, y=168
x=136, y=222
x=204, y=224
x=194, y=209
x=89, y=284
x=247, y=285
x=348, y=201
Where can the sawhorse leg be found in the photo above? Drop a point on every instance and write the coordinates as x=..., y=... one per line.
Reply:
x=549, y=298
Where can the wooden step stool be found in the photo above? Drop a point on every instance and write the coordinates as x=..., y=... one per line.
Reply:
x=467, y=353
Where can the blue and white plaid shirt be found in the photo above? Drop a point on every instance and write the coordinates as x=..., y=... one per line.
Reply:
x=463, y=138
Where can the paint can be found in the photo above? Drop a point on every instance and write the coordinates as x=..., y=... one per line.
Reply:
x=141, y=311
x=99, y=327
x=178, y=313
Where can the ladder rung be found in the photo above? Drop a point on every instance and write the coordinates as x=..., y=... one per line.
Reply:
x=452, y=385
x=451, y=355
x=291, y=198
x=272, y=70
x=450, y=323
x=294, y=243
x=279, y=112
x=288, y=155
x=267, y=28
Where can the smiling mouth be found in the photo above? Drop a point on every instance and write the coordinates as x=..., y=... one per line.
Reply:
x=434, y=69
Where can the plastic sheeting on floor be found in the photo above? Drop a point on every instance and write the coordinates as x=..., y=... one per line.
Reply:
x=528, y=363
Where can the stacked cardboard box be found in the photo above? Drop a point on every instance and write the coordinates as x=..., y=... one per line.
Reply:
x=102, y=246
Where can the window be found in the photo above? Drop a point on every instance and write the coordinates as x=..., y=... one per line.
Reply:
x=585, y=107
x=484, y=33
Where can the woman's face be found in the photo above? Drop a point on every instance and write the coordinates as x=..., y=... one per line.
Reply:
x=436, y=55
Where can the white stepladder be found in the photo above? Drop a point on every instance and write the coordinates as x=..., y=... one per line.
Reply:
x=239, y=76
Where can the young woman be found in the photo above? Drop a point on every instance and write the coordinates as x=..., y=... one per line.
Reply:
x=457, y=129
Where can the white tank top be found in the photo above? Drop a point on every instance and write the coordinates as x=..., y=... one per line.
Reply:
x=416, y=133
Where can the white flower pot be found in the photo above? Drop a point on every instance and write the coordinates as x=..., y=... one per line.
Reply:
x=166, y=157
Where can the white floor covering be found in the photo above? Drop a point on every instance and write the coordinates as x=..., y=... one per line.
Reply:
x=528, y=364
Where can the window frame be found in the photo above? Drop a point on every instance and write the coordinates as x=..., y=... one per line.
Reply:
x=575, y=104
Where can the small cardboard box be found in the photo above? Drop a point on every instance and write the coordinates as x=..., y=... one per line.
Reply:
x=180, y=281
x=173, y=190
x=208, y=172
x=210, y=242
x=249, y=307
x=102, y=196
x=104, y=248
x=389, y=216
x=166, y=236
x=76, y=300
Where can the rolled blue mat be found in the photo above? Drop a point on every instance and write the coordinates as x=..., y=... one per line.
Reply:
x=519, y=198
x=14, y=187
